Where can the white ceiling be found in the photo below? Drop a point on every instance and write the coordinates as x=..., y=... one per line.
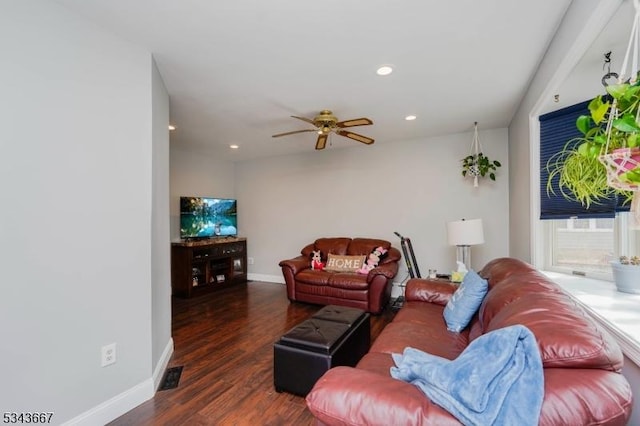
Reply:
x=585, y=81
x=237, y=70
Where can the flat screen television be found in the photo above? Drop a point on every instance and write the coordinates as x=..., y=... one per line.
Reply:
x=207, y=217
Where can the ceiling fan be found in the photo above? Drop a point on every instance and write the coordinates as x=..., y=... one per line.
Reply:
x=326, y=122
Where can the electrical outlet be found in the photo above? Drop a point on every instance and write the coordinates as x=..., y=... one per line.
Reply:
x=250, y=260
x=108, y=354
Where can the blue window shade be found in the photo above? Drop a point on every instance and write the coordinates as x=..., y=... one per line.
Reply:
x=556, y=129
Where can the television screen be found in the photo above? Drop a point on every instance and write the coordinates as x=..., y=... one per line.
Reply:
x=205, y=217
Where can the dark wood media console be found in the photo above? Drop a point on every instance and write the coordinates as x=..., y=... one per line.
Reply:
x=204, y=265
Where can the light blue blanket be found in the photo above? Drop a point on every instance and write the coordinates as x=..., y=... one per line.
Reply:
x=496, y=380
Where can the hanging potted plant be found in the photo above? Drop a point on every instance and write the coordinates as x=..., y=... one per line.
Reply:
x=605, y=159
x=580, y=167
x=477, y=164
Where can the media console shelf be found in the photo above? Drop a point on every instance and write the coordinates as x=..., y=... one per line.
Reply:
x=203, y=265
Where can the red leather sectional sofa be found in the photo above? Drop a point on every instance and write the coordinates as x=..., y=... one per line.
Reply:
x=581, y=361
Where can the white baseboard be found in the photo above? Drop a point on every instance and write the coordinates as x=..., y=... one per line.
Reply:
x=161, y=366
x=266, y=278
x=127, y=400
x=397, y=288
x=116, y=406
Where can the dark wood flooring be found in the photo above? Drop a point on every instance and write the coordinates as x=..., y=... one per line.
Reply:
x=224, y=340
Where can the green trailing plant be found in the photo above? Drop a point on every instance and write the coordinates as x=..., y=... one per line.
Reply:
x=581, y=178
x=479, y=165
x=624, y=132
x=581, y=175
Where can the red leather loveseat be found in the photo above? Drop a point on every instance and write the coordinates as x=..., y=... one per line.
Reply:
x=581, y=361
x=370, y=292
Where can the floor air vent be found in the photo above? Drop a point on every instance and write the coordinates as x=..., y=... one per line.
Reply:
x=171, y=378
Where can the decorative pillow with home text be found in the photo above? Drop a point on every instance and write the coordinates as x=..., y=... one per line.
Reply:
x=338, y=263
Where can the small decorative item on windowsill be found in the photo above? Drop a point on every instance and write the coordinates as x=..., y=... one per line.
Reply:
x=626, y=274
x=477, y=164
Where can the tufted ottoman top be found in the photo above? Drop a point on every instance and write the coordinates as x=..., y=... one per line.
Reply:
x=341, y=314
x=315, y=335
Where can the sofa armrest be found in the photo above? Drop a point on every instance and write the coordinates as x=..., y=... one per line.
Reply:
x=389, y=270
x=432, y=291
x=296, y=264
x=352, y=396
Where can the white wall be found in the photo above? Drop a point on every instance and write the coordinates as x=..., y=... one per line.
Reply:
x=197, y=174
x=76, y=185
x=161, y=342
x=412, y=187
x=583, y=22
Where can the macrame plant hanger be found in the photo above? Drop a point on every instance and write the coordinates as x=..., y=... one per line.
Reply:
x=622, y=160
x=475, y=149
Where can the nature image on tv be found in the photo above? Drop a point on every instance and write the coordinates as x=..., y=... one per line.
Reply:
x=203, y=217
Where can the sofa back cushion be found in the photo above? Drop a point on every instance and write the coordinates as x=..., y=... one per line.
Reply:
x=337, y=245
x=366, y=245
x=498, y=269
x=567, y=336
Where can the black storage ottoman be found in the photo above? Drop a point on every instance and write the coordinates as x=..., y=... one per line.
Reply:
x=334, y=336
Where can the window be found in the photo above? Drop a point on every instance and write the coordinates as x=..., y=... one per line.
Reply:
x=586, y=246
x=577, y=240
x=557, y=129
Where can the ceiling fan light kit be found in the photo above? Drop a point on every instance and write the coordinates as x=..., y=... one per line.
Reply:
x=326, y=123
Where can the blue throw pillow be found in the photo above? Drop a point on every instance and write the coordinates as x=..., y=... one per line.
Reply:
x=465, y=301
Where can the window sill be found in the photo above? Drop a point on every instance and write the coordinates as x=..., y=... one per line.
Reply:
x=618, y=312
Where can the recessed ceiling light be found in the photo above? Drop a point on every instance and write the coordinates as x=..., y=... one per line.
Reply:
x=234, y=146
x=172, y=127
x=410, y=117
x=384, y=70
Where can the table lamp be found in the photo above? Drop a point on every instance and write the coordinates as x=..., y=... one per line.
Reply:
x=463, y=234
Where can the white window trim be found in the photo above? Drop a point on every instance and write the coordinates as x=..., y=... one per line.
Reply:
x=547, y=236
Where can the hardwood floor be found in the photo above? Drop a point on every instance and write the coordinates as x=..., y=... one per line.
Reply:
x=225, y=340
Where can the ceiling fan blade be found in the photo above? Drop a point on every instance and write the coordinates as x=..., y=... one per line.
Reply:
x=322, y=141
x=308, y=120
x=355, y=136
x=293, y=133
x=355, y=122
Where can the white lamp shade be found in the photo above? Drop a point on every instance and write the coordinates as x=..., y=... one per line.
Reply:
x=465, y=232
